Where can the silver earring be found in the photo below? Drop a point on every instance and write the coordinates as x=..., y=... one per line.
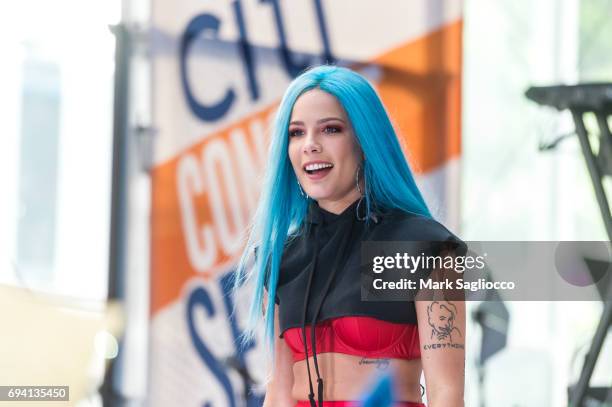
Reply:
x=301, y=190
x=357, y=180
x=360, y=192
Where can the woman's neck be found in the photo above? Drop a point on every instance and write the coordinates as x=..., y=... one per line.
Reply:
x=338, y=206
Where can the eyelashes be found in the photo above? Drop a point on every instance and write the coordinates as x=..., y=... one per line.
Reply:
x=331, y=129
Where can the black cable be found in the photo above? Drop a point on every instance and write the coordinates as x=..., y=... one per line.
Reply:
x=340, y=262
x=312, y=268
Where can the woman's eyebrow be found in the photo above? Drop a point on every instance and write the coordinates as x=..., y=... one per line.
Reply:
x=327, y=119
x=324, y=120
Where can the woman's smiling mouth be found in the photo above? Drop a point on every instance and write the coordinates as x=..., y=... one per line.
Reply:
x=317, y=169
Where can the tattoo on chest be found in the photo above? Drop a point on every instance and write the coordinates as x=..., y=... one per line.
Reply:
x=381, y=364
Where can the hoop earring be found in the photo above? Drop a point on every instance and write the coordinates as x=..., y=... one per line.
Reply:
x=360, y=192
x=357, y=180
x=301, y=190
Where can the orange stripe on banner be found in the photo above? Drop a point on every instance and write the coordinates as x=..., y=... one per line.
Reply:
x=183, y=206
x=421, y=88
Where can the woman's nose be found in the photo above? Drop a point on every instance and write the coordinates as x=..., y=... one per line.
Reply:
x=311, y=145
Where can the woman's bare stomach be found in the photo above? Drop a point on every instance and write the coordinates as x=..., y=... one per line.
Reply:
x=347, y=377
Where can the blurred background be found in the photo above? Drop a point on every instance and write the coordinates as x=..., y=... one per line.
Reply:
x=134, y=136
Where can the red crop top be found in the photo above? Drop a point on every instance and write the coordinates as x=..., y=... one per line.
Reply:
x=358, y=335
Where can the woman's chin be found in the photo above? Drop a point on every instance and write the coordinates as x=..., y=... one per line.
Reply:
x=318, y=195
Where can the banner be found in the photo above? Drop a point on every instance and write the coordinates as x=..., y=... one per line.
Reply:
x=219, y=71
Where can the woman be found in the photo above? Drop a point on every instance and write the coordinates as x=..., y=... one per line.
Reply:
x=337, y=176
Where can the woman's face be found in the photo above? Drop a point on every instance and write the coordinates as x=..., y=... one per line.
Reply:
x=320, y=133
x=444, y=320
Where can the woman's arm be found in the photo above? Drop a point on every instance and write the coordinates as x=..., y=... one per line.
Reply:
x=278, y=389
x=441, y=320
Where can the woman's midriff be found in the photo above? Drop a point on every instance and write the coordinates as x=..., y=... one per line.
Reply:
x=348, y=377
x=341, y=403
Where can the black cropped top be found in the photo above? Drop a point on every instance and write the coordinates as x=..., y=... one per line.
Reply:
x=344, y=295
x=319, y=275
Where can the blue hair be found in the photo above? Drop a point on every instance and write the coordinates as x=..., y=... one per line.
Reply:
x=281, y=209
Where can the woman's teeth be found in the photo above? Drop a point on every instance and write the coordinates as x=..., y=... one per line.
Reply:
x=311, y=168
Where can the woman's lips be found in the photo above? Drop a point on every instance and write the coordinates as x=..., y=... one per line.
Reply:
x=320, y=174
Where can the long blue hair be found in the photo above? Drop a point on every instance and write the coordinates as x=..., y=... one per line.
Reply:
x=389, y=183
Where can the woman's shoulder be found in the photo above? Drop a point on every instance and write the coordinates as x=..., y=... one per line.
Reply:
x=400, y=225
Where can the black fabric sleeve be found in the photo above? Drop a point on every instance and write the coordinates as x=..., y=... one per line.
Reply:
x=452, y=244
x=430, y=230
x=444, y=244
x=429, y=235
x=276, y=299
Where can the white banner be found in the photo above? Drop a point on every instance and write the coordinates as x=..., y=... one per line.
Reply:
x=219, y=69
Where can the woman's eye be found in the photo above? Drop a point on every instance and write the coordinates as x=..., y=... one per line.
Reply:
x=295, y=132
x=332, y=129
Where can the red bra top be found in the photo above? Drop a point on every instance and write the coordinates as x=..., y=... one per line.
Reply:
x=357, y=335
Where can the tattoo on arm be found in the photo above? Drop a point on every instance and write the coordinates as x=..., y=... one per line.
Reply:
x=441, y=318
x=381, y=364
